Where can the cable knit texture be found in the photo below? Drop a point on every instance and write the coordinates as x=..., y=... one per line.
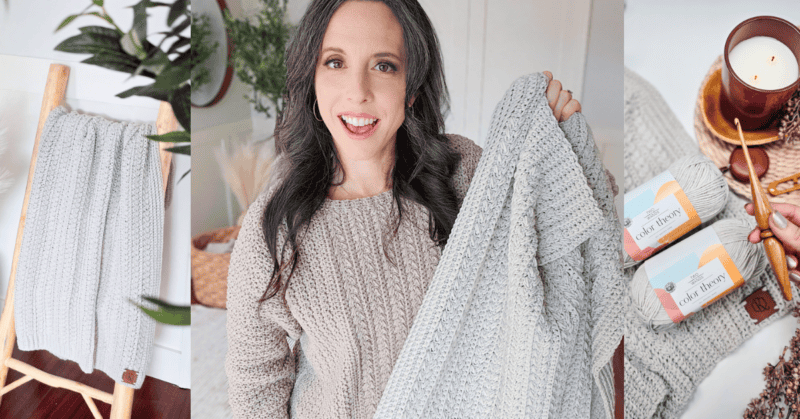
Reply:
x=92, y=244
x=662, y=369
x=534, y=227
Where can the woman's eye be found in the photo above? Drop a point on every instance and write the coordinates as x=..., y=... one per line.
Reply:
x=333, y=64
x=386, y=67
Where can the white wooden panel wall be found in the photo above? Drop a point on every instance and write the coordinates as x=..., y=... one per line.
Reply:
x=486, y=46
x=26, y=52
x=489, y=44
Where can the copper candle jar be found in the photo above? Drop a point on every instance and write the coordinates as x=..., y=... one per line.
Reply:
x=755, y=107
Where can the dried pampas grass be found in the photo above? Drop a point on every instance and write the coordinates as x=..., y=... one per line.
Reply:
x=246, y=168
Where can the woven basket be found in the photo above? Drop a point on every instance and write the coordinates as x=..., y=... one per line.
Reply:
x=784, y=158
x=210, y=270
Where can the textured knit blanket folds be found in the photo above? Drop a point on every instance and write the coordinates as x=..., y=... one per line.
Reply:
x=662, y=369
x=92, y=245
x=522, y=315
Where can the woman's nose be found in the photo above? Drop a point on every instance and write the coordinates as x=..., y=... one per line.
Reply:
x=359, y=89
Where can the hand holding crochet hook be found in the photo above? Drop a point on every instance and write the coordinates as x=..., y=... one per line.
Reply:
x=785, y=225
x=768, y=219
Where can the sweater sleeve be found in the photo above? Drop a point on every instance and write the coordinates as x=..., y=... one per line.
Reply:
x=259, y=364
x=470, y=155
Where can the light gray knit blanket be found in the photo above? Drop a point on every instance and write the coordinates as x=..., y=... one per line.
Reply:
x=662, y=369
x=92, y=245
x=522, y=315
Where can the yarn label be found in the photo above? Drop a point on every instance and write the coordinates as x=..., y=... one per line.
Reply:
x=656, y=214
x=693, y=274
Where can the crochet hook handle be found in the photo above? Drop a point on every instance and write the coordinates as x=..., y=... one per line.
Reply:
x=763, y=209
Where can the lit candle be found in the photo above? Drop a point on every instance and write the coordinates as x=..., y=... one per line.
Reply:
x=764, y=63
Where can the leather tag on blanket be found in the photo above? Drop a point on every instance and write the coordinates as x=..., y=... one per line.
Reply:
x=129, y=376
x=760, y=305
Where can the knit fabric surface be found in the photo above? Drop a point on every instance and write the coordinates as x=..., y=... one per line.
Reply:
x=348, y=307
x=522, y=315
x=662, y=369
x=351, y=309
x=92, y=245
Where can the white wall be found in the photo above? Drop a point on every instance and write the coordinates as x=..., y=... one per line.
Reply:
x=26, y=52
x=486, y=46
x=603, y=85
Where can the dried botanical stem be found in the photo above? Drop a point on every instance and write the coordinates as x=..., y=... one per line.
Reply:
x=780, y=396
x=790, y=122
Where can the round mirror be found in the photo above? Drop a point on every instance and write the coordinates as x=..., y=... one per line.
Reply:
x=217, y=64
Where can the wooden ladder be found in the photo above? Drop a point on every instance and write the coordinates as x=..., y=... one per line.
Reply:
x=121, y=400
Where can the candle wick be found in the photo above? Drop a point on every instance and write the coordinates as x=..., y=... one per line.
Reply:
x=773, y=58
x=755, y=77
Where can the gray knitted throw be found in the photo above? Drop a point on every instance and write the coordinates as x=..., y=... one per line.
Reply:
x=92, y=244
x=662, y=369
x=522, y=315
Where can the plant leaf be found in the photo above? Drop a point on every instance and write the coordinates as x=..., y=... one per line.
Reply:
x=163, y=304
x=98, y=2
x=179, y=28
x=66, y=22
x=184, y=175
x=181, y=106
x=178, y=8
x=181, y=149
x=110, y=63
x=88, y=43
x=101, y=30
x=149, y=91
x=167, y=313
x=132, y=45
x=173, y=77
x=181, y=42
x=140, y=19
x=155, y=64
x=172, y=137
x=107, y=18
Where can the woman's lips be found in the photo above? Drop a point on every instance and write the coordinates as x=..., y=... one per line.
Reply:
x=359, y=133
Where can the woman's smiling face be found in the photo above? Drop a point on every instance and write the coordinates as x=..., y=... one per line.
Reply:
x=360, y=80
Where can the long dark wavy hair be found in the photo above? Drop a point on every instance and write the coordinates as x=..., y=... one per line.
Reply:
x=424, y=163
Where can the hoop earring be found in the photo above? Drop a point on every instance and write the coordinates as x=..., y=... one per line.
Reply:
x=314, y=111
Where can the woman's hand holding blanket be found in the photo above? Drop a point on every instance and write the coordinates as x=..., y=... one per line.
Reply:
x=560, y=101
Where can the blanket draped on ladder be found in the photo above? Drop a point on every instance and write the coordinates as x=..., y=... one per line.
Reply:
x=522, y=316
x=92, y=245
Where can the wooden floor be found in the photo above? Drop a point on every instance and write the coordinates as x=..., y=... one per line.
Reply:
x=156, y=399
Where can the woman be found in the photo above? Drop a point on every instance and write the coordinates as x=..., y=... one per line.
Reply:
x=339, y=252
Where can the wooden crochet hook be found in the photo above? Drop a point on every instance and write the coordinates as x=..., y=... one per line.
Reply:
x=774, y=248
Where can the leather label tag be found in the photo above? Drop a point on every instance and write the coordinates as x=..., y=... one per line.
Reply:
x=760, y=305
x=129, y=376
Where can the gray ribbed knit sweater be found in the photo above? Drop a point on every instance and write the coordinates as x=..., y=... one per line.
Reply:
x=347, y=304
x=351, y=309
x=92, y=242
x=662, y=369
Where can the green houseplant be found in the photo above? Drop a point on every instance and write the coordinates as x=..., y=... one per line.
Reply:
x=131, y=52
x=259, y=55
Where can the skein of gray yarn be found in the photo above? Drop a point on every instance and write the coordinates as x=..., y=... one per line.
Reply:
x=749, y=259
x=703, y=184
